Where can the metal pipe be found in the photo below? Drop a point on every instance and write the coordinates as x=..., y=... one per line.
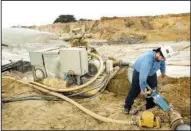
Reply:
x=124, y=63
x=183, y=127
x=177, y=122
x=180, y=124
x=129, y=70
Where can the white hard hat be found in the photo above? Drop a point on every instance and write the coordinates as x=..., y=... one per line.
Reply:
x=167, y=51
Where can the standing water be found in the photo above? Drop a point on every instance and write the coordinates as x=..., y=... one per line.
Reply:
x=21, y=40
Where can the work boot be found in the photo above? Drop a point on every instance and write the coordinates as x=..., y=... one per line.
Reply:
x=136, y=110
x=127, y=110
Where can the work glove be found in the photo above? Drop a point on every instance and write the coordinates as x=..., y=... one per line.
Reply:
x=145, y=93
x=157, y=88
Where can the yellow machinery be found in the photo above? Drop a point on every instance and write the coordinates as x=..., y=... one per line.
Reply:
x=147, y=119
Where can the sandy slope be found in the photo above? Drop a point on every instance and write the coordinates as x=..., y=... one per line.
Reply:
x=174, y=27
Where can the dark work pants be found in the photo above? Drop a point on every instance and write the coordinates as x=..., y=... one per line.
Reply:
x=135, y=90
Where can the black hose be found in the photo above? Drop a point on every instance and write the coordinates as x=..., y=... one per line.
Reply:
x=80, y=93
x=103, y=88
x=98, y=92
x=14, y=99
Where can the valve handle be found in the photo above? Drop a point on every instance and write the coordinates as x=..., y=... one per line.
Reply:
x=154, y=91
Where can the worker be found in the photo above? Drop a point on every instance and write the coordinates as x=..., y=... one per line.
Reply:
x=144, y=75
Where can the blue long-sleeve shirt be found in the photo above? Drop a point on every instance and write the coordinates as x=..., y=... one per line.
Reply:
x=146, y=65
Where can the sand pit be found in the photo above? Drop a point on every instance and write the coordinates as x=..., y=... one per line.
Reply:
x=55, y=115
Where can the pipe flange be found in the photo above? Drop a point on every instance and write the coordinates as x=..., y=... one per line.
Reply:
x=176, y=123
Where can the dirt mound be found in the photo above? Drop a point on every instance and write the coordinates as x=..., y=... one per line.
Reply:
x=154, y=28
x=119, y=84
x=10, y=88
x=177, y=92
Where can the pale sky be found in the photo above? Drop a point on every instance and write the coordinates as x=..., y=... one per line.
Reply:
x=29, y=13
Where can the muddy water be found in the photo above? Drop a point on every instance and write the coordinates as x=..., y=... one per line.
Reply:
x=20, y=41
